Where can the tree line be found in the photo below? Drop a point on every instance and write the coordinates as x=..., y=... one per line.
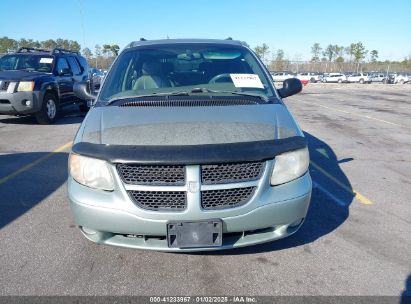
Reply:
x=10, y=45
x=101, y=57
x=354, y=53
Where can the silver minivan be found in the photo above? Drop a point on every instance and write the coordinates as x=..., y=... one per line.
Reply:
x=188, y=147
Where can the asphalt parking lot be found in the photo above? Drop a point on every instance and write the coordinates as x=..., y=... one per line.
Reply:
x=356, y=239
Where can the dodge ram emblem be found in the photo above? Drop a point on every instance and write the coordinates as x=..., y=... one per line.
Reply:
x=193, y=187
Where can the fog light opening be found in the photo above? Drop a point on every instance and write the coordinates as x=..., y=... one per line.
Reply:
x=27, y=103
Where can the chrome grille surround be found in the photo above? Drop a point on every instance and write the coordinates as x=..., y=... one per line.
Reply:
x=194, y=195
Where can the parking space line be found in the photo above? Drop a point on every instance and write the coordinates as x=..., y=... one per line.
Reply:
x=361, y=198
x=329, y=194
x=352, y=113
x=34, y=163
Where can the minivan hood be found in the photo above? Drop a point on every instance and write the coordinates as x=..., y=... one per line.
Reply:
x=115, y=125
x=19, y=75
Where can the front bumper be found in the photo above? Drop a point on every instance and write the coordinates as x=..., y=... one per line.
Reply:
x=111, y=217
x=12, y=103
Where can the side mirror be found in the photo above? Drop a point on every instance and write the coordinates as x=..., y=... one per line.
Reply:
x=290, y=87
x=82, y=91
x=65, y=72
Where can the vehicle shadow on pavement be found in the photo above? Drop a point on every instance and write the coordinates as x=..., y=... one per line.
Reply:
x=329, y=206
x=406, y=295
x=23, y=191
x=68, y=115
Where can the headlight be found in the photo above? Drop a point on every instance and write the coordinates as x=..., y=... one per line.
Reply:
x=91, y=172
x=289, y=166
x=25, y=86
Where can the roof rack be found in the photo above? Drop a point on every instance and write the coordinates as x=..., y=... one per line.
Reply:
x=60, y=50
x=32, y=50
x=52, y=51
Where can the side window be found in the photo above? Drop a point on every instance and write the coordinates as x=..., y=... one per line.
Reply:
x=83, y=64
x=74, y=65
x=8, y=63
x=62, y=64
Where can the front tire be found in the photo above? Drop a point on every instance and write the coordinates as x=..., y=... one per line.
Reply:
x=339, y=80
x=361, y=81
x=49, y=110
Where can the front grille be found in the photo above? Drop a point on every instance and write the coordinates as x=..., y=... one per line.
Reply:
x=159, y=175
x=4, y=85
x=160, y=200
x=175, y=199
x=226, y=198
x=231, y=173
x=4, y=101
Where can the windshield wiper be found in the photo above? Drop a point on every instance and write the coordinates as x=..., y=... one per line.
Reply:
x=187, y=93
x=175, y=93
x=206, y=90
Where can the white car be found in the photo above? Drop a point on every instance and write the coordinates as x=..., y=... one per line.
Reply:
x=379, y=77
x=309, y=76
x=401, y=78
x=359, y=77
x=281, y=76
x=335, y=77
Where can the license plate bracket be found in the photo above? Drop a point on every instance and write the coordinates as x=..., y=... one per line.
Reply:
x=194, y=234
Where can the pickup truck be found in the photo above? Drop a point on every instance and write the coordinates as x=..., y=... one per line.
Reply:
x=188, y=147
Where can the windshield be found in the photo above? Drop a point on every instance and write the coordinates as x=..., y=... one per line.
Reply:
x=96, y=72
x=184, y=67
x=27, y=62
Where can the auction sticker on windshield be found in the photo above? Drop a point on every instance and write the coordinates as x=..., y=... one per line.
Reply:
x=46, y=60
x=246, y=81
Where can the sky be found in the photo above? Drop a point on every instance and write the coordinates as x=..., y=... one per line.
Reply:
x=293, y=26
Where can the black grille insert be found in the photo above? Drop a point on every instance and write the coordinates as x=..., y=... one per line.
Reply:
x=226, y=198
x=231, y=173
x=157, y=175
x=4, y=85
x=160, y=200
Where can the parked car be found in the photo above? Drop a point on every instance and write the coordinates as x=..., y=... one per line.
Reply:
x=379, y=77
x=335, y=77
x=359, y=77
x=97, y=77
x=309, y=76
x=281, y=76
x=401, y=78
x=39, y=82
x=188, y=147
